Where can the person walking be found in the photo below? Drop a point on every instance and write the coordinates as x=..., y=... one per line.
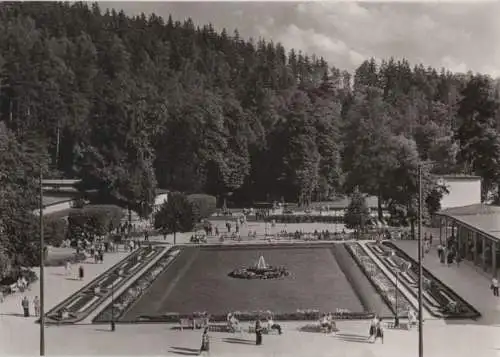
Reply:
x=26, y=306
x=205, y=343
x=494, y=286
x=373, y=328
x=258, y=332
x=36, y=306
x=68, y=267
x=81, y=272
x=379, y=331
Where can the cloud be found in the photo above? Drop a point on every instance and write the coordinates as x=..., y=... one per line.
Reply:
x=459, y=35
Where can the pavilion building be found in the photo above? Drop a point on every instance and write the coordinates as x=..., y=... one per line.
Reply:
x=474, y=225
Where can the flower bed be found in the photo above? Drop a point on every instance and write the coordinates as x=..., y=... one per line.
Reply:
x=456, y=308
x=99, y=289
x=255, y=273
x=120, y=305
x=380, y=281
x=299, y=315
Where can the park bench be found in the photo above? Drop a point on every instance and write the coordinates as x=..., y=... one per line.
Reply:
x=403, y=325
x=186, y=323
x=13, y=288
x=265, y=329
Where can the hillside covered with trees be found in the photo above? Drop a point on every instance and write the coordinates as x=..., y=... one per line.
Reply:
x=131, y=104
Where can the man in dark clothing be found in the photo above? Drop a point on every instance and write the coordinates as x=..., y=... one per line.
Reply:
x=258, y=333
x=26, y=306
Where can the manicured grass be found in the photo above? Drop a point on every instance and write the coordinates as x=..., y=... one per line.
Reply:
x=198, y=281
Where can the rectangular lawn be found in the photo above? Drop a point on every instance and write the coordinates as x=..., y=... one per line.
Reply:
x=198, y=281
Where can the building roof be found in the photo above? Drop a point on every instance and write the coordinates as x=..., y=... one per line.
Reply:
x=60, y=182
x=459, y=177
x=480, y=217
x=53, y=200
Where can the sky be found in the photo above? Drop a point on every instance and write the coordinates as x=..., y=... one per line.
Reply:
x=459, y=36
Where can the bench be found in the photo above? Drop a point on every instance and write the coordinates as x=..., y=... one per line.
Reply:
x=186, y=323
x=13, y=288
x=265, y=330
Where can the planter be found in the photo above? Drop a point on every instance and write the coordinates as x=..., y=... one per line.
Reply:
x=99, y=289
x=451, y=305
x=380, y=281
x=119, y=306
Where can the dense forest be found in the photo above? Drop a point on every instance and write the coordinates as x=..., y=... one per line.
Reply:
x=132, y=104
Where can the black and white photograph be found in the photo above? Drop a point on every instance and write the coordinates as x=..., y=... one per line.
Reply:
x=199, y=178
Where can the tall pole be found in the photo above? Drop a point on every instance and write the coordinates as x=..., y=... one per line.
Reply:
x=396, y=319
x=420, y=285
x=42, y=263
x=113, y=327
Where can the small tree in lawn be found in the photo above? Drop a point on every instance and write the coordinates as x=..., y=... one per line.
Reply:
x=175, y=215
x=358, y=214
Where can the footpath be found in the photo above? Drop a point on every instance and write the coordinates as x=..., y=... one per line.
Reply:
x=464, y=280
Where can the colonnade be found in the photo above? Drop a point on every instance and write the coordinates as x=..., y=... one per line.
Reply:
x=473, y=246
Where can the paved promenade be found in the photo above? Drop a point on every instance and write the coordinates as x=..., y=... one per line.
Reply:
x=464, y=279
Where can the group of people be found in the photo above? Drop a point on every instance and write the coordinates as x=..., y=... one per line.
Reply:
x=376, y=330
x=68, y=270
x=25, y=304
x=328, y=324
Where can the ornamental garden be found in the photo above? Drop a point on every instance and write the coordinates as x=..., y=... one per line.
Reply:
x=293, y=281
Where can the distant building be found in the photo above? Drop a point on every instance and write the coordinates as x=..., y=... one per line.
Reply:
x=59, y=196
x=339, y=206
x=463, y=190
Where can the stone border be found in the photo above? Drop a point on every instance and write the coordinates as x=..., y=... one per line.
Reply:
x=471, y=314
x=81, y=303
x=380, y=281
x=122, y=302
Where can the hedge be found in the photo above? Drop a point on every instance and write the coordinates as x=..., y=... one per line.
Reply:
x=292, y=218
x=55, y=231
x=299, y=315
x=92, y=221
x=203, y=205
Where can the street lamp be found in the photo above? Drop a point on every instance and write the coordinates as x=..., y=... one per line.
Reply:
x=113, y=325
x=42, y=264
x=396, y=318
x=420, y=269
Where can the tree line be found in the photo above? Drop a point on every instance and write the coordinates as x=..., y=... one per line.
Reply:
x=132, y=104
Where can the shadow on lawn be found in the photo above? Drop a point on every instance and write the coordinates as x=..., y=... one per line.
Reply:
x=240, y=341
x=349, y=337
x=184, y=351
x=13, y=314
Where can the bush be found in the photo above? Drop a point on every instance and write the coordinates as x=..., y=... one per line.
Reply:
x=60, y=261
x=92, y=221
x=55, y=231
x=203, y=205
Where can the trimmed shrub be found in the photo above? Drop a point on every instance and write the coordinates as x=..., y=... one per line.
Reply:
x=55, y=231
x=203, y=205
x=92, y=221
x=60, y=261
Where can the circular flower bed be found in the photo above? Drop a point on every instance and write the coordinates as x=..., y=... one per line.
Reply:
x=259, y=273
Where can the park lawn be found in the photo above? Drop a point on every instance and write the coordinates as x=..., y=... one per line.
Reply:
x=198, y=281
